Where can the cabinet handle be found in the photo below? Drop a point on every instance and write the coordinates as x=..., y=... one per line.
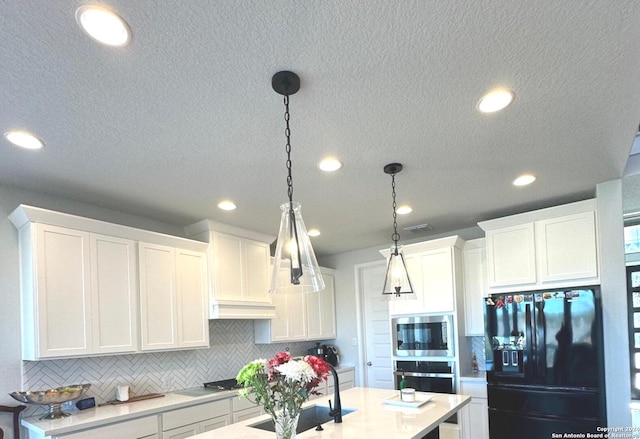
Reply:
x=369, y=363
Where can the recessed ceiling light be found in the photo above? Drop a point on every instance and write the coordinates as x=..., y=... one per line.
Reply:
x=313, y=232
x=24, y=139
x=495, y=100
x=103, y=25
x=227, y=205
x=524, y=180
x=330, y=164
x=403, y=210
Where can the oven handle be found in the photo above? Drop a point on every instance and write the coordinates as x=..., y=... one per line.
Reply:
x=425, y=374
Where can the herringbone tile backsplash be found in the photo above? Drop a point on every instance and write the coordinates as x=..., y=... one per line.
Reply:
x=231, y=348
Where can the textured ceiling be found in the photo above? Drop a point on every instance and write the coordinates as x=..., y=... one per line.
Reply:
x=185, y=115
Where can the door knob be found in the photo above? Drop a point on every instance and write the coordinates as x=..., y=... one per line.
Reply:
x=369, y=363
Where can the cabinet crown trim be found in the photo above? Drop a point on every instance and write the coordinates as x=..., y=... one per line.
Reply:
x=207, y=225
x=25, y=214
x=450, y=241
x=539, y=215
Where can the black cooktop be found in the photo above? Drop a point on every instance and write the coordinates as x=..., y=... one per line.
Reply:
x=229, y=384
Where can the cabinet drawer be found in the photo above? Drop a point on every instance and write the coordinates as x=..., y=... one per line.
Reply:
x=126, y=430
x=241, y=404
x=197, y=413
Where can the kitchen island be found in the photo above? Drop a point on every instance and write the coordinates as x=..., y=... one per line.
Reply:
x=371, y=418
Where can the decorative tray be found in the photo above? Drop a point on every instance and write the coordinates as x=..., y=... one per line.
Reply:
x=421, y=398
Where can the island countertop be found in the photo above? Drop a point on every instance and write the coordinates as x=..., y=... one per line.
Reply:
x=371, y=418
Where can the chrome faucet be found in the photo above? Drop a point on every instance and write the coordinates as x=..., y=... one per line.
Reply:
x=336, y=410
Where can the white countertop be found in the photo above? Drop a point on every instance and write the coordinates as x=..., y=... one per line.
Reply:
x=99, y=416
x=108, y=414
x=372, y=418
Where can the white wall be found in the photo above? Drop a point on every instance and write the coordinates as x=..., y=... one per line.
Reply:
x=614, y=303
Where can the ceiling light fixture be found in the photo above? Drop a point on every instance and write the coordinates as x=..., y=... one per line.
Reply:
x=495, y=100
x=293, y=249
x=524, y=180
x=404, y=210
x=330, y=164
x=24, y=139
x=314, y=232
x=227, y=205
x=103, y=25
x=396, y=280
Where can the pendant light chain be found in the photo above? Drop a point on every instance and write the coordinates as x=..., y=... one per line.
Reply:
x=395, y=237
x=287, y=133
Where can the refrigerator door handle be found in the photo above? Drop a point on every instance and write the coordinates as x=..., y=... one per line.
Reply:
x=531, y=360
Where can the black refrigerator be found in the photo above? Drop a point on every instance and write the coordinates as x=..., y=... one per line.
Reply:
x=545, y=366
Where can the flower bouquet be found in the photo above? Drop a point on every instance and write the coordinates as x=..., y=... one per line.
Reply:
x=281, y=385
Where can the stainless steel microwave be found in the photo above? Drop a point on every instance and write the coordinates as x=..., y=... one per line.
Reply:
x=423, y=336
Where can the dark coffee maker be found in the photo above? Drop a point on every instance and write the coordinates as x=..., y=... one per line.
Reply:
x=330, y=354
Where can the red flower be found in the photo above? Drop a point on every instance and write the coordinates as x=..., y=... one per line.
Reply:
x=319, y=366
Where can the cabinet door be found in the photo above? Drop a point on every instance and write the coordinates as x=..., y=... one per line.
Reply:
x=227, y=262
x=114, y=294
x=192, y=298
x=475, y=288
x=158, y=317
x=567, y=248
x=256, y=260
x=511, y=256
x=437, y=280
x=63, y=299
x=245, y=414
x=401, y=306
x=321, y=313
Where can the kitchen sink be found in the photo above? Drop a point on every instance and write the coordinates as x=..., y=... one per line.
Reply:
x=310, y=417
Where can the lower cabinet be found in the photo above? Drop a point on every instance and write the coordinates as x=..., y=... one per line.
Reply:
x=244, y=409
x=189, y=421
x=450, y=431
x=142, y=428
x=474, y=418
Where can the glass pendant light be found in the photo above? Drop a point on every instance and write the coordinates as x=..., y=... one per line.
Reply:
x=396, y=281
x=295, y=267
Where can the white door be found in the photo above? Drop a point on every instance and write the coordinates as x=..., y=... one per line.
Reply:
x=377, y=335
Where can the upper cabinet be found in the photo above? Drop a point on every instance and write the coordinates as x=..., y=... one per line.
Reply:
x=547, y=248
x=240, y=270
x=435, y=273
x=173, y=297
x=301, y=316
x=80, y=280
x=474, y=263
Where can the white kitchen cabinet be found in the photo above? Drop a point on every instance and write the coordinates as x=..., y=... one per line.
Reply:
x=566, y=247
x=189, y=421
x=173, y=297
x=474, y=418
x=548, y=248
x=301, y=315
x=321, y=310
x=449, y=431
x=243, y=409
x=474, y=263
x=240, y=267
x=511, y=255
x=435, y=272
x=80, y=283
x=79, y=292
x=141, y=428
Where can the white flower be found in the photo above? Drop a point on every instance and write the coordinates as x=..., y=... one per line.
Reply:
x=298, y=371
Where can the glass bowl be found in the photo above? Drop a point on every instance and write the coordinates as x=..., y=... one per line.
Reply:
x=52, y=397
